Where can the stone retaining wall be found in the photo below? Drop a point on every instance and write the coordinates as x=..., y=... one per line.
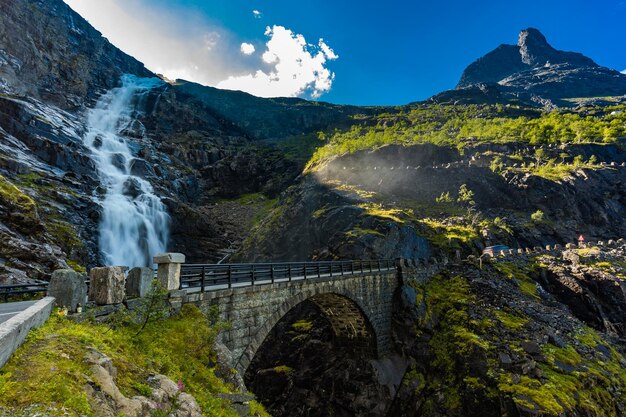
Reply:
x=14, y=331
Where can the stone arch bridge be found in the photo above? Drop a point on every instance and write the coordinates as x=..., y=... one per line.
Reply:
x=355, y=296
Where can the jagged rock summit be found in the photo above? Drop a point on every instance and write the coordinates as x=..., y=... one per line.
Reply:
x=534, y=72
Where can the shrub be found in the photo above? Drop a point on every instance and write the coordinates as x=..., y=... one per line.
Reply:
x=537, y=217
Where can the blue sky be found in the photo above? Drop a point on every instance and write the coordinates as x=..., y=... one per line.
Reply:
x=372, y=53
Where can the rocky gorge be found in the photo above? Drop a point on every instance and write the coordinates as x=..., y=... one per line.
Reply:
x=527, y=152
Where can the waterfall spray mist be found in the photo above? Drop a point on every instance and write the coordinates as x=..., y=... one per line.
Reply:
x=134, y=225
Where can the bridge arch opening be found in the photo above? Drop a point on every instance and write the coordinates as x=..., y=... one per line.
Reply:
x=317, y=356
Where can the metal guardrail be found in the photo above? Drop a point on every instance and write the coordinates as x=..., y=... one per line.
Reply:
x=19, y=289
x=212, y=277
x=7, y=291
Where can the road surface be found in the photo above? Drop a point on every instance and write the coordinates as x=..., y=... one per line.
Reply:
x=8, y=310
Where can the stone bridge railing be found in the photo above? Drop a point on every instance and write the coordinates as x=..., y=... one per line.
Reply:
x=555, y=249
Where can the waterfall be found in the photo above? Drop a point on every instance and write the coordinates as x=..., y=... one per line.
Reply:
x=134, y=225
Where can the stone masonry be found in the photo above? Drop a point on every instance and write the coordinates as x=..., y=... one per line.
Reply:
x=254, y=311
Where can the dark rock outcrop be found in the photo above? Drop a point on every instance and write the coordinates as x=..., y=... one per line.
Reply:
x=313, y=221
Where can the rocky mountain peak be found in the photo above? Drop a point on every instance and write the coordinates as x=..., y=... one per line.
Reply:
x=534, y=71
x=533, y=46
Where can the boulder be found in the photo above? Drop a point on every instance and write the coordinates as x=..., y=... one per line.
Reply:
x=141, y=168
x=132, y=188
x=138, y=282
x=106, y=285
x=68, y=288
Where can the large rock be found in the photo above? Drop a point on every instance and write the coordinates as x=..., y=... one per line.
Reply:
x=68, y=288
x=106, y=285
x=138, y=281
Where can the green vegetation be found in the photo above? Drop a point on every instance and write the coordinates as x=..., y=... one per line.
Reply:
x=447, y=299
x=45, y=211
x=579, y=377
x=48, y=371
x=358, y=232
x=460, y=125
x=76, y=267
x=269, y=223
x=614, y=267
x=383, y=212
x=537, y=217
x=444, y=198
x=352, y=189
x=302, y=325
x=548, y=168
x=512, y=271
x=283, y=369
x=63, y=233
x=510, y=321
x=262, y=205
x=448, y=233
x=16, y=197
x=501, y=224
x=583, y=388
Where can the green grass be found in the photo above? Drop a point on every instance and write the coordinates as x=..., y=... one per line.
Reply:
x=48, y=370
x=10, y=193
x=443, y=234
x=555, y=171
x=352, y=189
x=460, y=125
x=358, y=232
x=510, y=321
x=76, y=266
x=512, y=271
x=389, y=213
x=63, y=232
x=302, y=326
x=283, y=369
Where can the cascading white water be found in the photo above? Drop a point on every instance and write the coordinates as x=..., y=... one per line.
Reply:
x=134, y=225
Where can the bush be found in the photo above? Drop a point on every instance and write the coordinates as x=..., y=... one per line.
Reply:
x=537, y=217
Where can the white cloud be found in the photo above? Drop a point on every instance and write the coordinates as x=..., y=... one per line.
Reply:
x=247, y=48
x=177, y=42
x=182, y=44
x=257, y=14
x=296, y=68
x=624, y=72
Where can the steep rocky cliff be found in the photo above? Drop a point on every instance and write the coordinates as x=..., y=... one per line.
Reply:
x=50, y=52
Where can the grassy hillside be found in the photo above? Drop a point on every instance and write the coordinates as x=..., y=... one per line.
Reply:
x=48, y=375
x=460, y=125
